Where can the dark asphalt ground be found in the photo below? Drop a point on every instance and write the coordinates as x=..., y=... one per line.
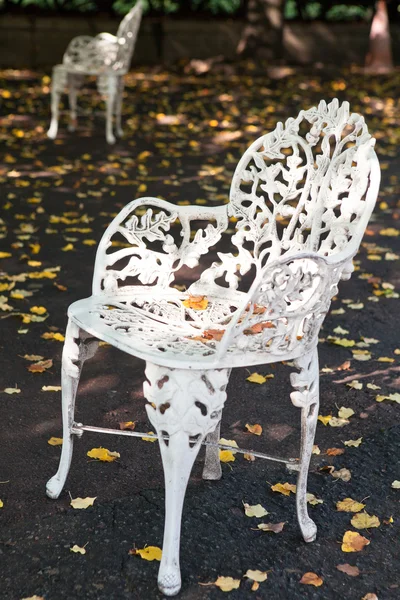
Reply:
x=54, y=194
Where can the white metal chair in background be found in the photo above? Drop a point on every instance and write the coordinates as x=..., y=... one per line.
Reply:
x=302, y=197
x=106, y=56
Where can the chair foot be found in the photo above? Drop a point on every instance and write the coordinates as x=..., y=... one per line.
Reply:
x=308, y=530
x=110, y=139
x=54, y=487
x=169, y=582
x=52, y=131
x=71, y=128
x=120, y=132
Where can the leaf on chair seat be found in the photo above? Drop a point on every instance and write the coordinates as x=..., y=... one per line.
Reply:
x=103, y=454
x=259, y=327
x=196, y=302
x=147, y=553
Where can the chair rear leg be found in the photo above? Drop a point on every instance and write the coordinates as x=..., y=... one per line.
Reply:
x=183, y=406
x=118, y=107
x=58, y=82
x=72, y=361
x=307, y=398
x=72, y=97
x=110, y=103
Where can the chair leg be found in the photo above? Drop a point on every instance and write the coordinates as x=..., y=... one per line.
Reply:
x=306, y=397
x=110, y=103
x=212, y=465
x=118, y=107
x=72, y=97
x=183, y=406
x=73, y=357
x=59, y=80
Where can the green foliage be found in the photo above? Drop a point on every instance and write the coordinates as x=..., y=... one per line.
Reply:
x=121, y=7
x=77, y=5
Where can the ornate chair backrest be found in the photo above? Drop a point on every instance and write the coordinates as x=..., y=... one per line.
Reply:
x=127, y=35
x=310, y=185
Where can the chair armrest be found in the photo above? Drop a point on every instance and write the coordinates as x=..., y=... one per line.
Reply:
x=285, y=305
x=159, y=240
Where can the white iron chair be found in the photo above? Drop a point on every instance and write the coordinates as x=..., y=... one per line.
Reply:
x=302, y=204
x=106, y=56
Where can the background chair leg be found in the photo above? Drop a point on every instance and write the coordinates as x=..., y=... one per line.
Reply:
x=72, y=361
x=183, y=406
x=212, y=465
x=72, y=97
x=110, y=103
x=118, y=107
x=307, y=398
x=59, y=80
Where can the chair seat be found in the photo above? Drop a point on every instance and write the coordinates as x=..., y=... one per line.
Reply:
x=161, y=329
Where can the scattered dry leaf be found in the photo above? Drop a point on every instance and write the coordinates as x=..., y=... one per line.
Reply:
x=312, y=579
x=348, y=569
x=335, y=451
x=13, y=390
x=256, y=429
x=150, y=439
x=103, y=454
x=82, y=503
x=396, y=484
x=284, y=488
x=313, y=500
x=147, y=553
x=349, y=505
x=354, y=443
x=353, y=542
x=127, y=425
x=227, y=584
x=324, y=420
x=254, y=511
x=355, y=385
x=55, y=441
x=363, y=520
x=345, y=413
x=258, y=576
x=78, y=549
x=343, y=474
x=274, y=527
x=338, y=422
x=41, y=366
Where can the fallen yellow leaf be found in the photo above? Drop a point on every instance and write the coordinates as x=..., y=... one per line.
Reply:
x=34, y=357
x=55, y=441
x=355, y=385
x=50, y=335
x=256, y=429
x=254, y=511
x=5, y=254
x=51, y=388
x=77, y=549
x=40, y=366
x=313, y=500
x=1, y=503
x=354, y=443
x=338, y=422
x=363, y=520
x=38, y=310
x=103, y=454
x=127, y=425
x=13, y=390
x=324, y=420
x=149, y=439
x=82, y=503
x=256, y=378
x=349, y=505
x=227, y=584
x=68, y=248
x=284, y=488
x=353, y=542
x=312, y=579
x=345, y=413
x=274, y=527
x=396, y=484
x=147, y=553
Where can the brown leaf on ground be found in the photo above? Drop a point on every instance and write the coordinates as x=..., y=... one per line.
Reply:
x=256, y=429
x=335, y=451
x=40, y=366
x=348, y=569
x=353, y=542
x=274, y=527
x=312, y=579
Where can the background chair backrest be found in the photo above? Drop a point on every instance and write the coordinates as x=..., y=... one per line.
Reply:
x=127, y=35
x=310, y=185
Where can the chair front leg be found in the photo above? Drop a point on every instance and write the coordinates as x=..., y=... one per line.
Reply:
x=58, y=83
x=118, y=107
x=110, y=103
x=306, y=397
x=74, y=82
x=73, y=357
x=183, y=406
x=212, y=465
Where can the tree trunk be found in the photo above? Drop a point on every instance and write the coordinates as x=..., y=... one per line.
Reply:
x=379, y=58
x=262, y=36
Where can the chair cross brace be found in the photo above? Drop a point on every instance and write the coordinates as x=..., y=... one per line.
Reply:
x=291, y=463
